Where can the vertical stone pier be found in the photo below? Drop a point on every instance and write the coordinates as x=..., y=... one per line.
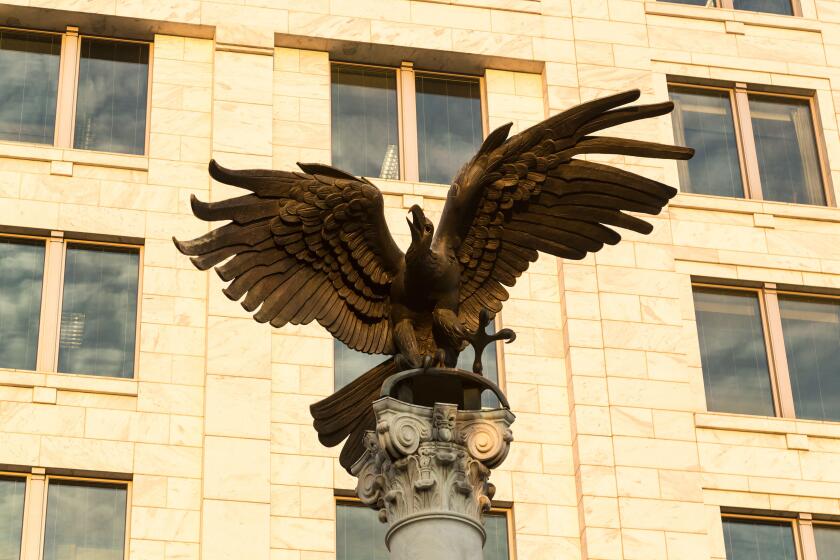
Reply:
x=427, y=469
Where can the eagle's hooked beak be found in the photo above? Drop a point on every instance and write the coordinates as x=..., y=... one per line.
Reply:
x=417, y=222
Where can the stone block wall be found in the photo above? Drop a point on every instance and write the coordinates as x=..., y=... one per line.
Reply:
x=615, y=455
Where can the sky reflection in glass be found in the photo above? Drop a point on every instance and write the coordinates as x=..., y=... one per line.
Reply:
x=746, y=539
x=99, y=311
x=449, y=125
x=703, y=120
x=29, y=86
x=811, y=328
x=736, y=373
x=112, y=96
x=21, y=281
x=85, y=521
x=788, y=160
x=12, y=492
x=364, y=121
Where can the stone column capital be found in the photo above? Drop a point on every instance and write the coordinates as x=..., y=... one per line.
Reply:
x=431, y=462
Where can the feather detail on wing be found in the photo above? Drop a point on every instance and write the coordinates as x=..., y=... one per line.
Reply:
x=304, y=247
x=526, y=194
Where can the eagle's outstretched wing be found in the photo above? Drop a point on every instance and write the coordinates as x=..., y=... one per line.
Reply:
x=304, y=247
x=527, y=194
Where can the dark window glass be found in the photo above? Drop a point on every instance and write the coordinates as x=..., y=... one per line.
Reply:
x=703, y=120
x=365, y=134
x=768, y=6
x=496, y=545
x=709, y=3
x=28, y=85
x=85, y=521
x=361, y=536
x=112, y=95
x=490, y=369
x=99, y=311
x=811, y=328
x=828, y=541
x=449, y=125
x=350, y=364
x=746, y=539
x=787, y=150
x=733, y=353
x=11, y=516
x=21, y=279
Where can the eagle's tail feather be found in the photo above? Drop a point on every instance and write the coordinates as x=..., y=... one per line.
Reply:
x=348, y=412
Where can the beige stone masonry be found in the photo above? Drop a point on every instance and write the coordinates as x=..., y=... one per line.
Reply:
x=615, y=455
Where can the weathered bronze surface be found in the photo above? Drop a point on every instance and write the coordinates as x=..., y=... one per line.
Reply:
x=314, y=246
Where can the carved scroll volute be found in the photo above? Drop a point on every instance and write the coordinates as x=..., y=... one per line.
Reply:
x=487, y=440
x=371, y=483
x=401, y=432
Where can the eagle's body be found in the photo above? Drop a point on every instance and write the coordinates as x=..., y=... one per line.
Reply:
x=314, y=246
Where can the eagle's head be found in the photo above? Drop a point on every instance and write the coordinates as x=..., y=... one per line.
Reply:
x=422, y=230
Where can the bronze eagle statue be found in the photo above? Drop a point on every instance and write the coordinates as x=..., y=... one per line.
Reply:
x=314, y=245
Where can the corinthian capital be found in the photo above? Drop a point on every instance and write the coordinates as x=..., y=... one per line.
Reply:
x=424, y=462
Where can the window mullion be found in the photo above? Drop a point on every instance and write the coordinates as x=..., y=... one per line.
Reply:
x=33, y=520
x=68, y=76
x=806, y=537
x=777, y=349
x=408, y=103
x=51, y=304
x=742, y=106
x=726, y=4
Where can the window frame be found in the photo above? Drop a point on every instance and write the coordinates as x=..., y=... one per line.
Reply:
x=794, y=522
x=347, y=498
x=68, y=86
x=36, y=492
x=774, y=343
x=802, y=524
x=739, y=95
x=795, y=7
x=407, y=110
x=52, y=297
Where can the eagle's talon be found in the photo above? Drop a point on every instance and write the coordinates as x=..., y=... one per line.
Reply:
x=479, y=339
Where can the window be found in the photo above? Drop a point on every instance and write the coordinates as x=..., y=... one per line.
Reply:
x=752, y=539
x=827, y=539
x=85, y=520
x=400, y=124
x=361, y=536
x=70, y=91
x=773, y=537
x=22, y=263
x=768, y=352
x=111, y=99
x=811, y=329
x=350, y=364
x=449, y=125
x=12, y=491
x=749, y=144
x=365, y=136
x=783, y=7
x=69, y=306
x=66, y=518
x=736, y=372
x=29, y=88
